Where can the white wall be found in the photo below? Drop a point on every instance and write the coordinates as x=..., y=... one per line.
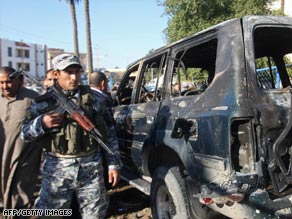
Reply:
x=36, y=60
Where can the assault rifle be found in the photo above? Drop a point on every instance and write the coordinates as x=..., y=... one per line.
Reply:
x=75, y=111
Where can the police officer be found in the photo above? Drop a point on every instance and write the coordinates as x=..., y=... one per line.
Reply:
x=73, y=162
x=98, y=82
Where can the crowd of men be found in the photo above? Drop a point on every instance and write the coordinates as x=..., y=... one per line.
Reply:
x=37, y=134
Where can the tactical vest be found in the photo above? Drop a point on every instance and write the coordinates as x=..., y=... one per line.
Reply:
x=72, y=139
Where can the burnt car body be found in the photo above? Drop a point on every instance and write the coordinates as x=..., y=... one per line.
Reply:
x=205, y=123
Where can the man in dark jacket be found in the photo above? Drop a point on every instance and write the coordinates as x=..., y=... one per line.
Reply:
x=99, y=84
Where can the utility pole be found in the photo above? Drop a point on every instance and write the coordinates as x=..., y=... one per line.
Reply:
x=22, y=55
x=96, y=57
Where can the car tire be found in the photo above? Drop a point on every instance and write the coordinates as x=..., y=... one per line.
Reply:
x=168, y=195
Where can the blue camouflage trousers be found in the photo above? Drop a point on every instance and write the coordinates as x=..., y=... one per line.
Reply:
x=82, y=175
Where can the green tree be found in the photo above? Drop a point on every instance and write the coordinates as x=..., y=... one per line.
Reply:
x=250, y=7
x=187, y=17
x=88, y=37
x=75, y=29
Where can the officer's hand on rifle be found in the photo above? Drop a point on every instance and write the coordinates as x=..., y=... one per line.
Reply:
x=52, y=120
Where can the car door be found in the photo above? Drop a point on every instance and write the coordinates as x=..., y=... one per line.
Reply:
x=186, y=119
x=269, y=68
x=142, y=112
x=123, y=99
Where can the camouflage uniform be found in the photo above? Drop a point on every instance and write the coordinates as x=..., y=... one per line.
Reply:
x=106, y=100
x=82, y=175
x=80, y=169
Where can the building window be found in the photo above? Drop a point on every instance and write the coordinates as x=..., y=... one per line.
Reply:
x=10, y=64
x=18, y=65
x=26, y=67
x=9, y=52
x=22, y=53
x=26, y=53
x=19, y=53
x=23, y=66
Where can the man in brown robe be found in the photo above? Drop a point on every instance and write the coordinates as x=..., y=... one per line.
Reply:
x=20, y=161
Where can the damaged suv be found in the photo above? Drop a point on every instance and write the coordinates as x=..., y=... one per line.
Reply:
x=205, y=124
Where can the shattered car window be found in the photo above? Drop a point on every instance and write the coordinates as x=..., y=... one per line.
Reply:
x=273, y=49
x=152, y=80
x=194, y=69
x=125, y=93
